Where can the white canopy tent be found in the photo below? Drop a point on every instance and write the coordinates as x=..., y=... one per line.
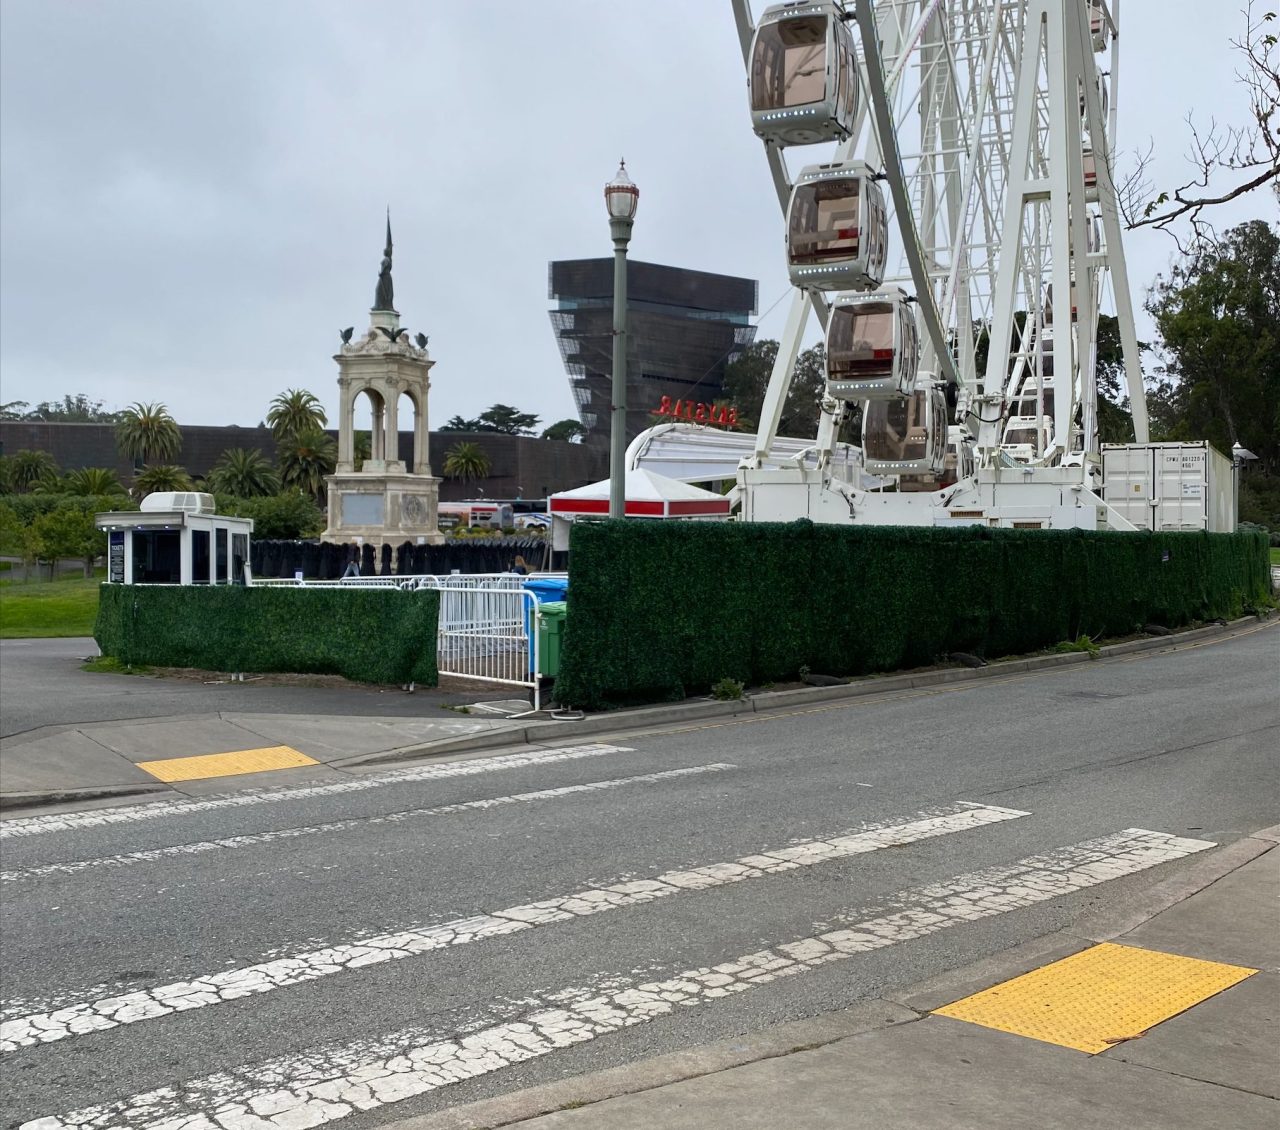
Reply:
x=648, y=495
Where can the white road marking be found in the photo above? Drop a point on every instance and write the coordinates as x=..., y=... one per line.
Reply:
x=200, y=846
x=327, y=1084
x=72, y=1017
x=69, y=821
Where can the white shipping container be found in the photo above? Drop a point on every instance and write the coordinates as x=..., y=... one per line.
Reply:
x=1170, y=486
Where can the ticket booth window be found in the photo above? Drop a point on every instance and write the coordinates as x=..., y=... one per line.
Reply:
x=220, y=556
x=157, y=557
x=239, y=557
x=200, y=557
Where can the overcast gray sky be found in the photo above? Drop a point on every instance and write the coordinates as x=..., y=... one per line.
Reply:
x=192, y=194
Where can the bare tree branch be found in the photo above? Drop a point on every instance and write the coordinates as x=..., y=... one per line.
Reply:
x=1251, y=152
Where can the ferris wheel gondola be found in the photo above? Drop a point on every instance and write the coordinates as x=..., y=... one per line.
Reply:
x=906, y=435
x=837, y=228
x=873, y=346
x=802, y=79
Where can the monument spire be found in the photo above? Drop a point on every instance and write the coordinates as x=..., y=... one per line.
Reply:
x=384, y=296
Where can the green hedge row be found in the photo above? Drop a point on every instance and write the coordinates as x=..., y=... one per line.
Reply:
x=373, y=636
x=657, y=610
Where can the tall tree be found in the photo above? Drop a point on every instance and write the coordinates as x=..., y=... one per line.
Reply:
x=147, y=433
x=31, y=469
x=294, y=412
x=243, y=473
x=746, y=381
x=498, y=418
x=306, y=458
x=568, y=431
x=77, y=409
x=461, y=424
x=510, y=421
x=1229, y=161
x=1218, y=316
x=161, y=477
x=99, y=481
x=466, y=461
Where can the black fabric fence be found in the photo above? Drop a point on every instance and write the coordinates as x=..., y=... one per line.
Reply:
x=326, y=561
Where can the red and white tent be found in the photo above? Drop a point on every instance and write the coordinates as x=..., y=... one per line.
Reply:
x=648, y=495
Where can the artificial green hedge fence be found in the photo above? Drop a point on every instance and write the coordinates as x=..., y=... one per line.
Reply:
x=370, y=635
x=660, y=610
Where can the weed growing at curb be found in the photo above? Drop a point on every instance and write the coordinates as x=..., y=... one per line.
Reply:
x=727, y=690
x=110, y=665
x=1080, y=643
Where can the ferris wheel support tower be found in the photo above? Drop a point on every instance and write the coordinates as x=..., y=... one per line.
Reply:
x=1000, y=208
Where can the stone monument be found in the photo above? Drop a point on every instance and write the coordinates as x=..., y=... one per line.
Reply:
x=385, y=501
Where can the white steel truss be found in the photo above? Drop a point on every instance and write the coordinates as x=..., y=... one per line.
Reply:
x=986, y=116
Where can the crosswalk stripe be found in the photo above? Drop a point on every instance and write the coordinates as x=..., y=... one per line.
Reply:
x=71, y=821
x=197, y=847
x=325, y=1085
x=64, y=1019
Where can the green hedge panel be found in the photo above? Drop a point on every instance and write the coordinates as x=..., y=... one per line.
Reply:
x=657, y=610
x=373, y=636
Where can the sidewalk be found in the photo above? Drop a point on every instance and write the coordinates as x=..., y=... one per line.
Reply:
x=97, y=761
x=1212, y=1061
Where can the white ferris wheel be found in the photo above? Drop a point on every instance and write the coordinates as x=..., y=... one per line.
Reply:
x=944, y=169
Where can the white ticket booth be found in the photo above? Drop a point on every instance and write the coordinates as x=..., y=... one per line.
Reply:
x=177, y=538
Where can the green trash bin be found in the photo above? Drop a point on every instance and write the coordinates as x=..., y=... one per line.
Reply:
x=550, y=634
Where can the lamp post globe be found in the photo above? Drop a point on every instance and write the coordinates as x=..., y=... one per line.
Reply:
x=620, y=197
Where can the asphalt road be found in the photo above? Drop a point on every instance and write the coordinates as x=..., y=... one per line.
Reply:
x=362, y=955
x=43, y=685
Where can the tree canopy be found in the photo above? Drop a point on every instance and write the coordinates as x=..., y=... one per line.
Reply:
x=147, y=432
x=243, y=473
x=77, y=409
x=568, y=431
x=295, y=411
x=499, y=418
x=746, y=381
x=466, y=461
x=1218, y=316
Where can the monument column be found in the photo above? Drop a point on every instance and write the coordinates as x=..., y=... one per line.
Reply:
x=383, y=503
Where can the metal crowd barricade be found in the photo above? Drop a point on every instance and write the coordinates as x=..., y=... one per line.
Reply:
x=488, y=625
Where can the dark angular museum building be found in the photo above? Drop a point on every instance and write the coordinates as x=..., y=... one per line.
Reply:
x=684, y=327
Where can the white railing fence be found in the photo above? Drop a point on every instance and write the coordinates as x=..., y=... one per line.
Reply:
x=488, y=626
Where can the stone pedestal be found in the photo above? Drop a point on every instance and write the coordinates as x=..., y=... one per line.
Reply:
x=383, y=507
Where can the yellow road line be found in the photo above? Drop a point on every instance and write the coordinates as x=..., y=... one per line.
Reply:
x=1098, y=998
x=226, y=764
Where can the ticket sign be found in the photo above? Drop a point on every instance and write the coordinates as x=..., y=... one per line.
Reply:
x=115, y=557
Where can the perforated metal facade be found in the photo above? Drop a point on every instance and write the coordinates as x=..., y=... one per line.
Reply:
x=684, y=327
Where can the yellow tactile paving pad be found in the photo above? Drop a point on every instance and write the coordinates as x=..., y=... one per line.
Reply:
x=1097, y=998
x=226, y=764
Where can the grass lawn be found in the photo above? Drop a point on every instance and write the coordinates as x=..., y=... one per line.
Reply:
x=1275, y=556
x=65, y=607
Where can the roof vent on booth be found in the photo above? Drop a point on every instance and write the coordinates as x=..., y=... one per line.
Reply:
x=190, y=501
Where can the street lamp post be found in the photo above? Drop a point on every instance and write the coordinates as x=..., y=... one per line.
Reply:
x=620, y=196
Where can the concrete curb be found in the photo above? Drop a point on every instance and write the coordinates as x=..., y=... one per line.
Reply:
x=640, y=719
x=904, y=1006
x=70, y=796
x=660, y=1071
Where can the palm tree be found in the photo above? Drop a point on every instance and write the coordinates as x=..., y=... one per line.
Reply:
x=29, y=470
x=94, y=480
x=306, y=458
x=243, y=473
x=146, y=432
x=294, y=412
x=466, y=461
x=164, y=476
